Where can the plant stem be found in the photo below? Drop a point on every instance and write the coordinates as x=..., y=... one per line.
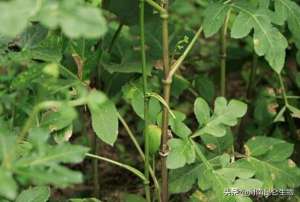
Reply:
x=252, y=76
x=116, y=35
x=166, y=95
x=201, y=155
x=156, y=6
x=127, y=167
x=180, y=60
x=224, y=55
x=140, y=151
x=283, y=90
x=145, y=89
x=96, y=182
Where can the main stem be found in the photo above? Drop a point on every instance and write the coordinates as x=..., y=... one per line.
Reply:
x=145, y=89
x=166, y=95
x=224, y=55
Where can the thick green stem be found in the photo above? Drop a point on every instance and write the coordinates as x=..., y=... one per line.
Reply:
x=145, y=89
x=166, y=95
x=224, y=55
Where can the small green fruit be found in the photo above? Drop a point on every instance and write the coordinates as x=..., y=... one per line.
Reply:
x=154, y=133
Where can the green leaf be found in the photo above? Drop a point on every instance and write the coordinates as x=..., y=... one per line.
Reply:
x=290, y=11
x=56, y=175
x=268, y=41
x=63, y=153
x=36, y=194
x=218, y=144
x=133, y=198
x=59, y=118
x=7, y=144
x=232, y=173
x=127, y=12
x=63, y=135
x=177, y=124
x=270, y=149
x=50, y=49
x=225, y=114
x=75, y=19
x=295, y=111
x=8, y=186
x=202, y=111
x=242, y=26
x=181, y=152
x=183, y=179
x=105, y=121
x=214, y=17
x=274, y=175
x=205, y=87
x=248, y=184
x=13, y=19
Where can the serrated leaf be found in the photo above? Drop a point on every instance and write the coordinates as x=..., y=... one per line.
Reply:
x=36, y=194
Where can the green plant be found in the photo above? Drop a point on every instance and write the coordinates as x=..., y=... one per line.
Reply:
x=87, y=84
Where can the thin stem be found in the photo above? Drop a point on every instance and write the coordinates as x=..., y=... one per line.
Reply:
x=224, y=55
x=166, y=95
x=127, y=167
x=252, y=76
x=66, y=70
x=140, y=151
x=188, y=49
x=116, y=35
x=283, y=90
x=288, y=97
x=145, y=89
x=201, y=155
x=95, y=148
